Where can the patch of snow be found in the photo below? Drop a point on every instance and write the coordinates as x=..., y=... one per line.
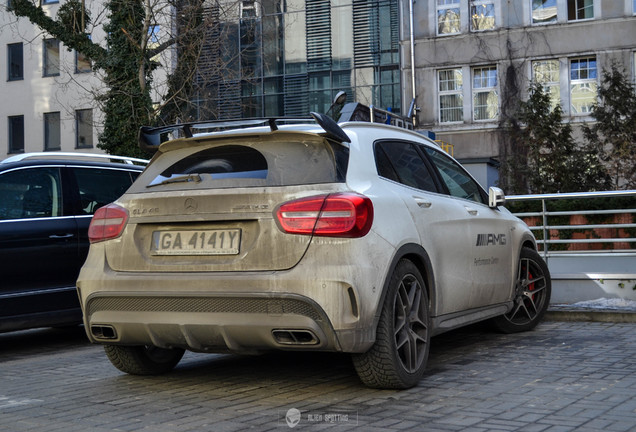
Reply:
x=607, y=304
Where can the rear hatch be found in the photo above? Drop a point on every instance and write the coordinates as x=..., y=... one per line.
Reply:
x=208, y=204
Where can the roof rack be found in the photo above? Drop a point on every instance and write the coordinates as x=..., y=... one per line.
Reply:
x=355, y=111
x=151, y=137
x=54, y=155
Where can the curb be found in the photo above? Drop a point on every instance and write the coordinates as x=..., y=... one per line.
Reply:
x=591, y=315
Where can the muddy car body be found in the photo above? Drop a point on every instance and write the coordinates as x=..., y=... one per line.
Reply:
x=297, y=238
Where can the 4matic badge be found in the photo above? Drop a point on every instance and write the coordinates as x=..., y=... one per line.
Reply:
x=491, y=239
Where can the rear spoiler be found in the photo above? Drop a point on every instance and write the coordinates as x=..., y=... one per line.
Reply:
x=151, y=137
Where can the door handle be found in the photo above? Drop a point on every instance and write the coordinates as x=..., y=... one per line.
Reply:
x=60, y=236
x=472, y=211
x=422, y=203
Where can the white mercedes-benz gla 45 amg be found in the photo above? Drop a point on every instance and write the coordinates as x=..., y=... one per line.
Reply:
x=355, y=237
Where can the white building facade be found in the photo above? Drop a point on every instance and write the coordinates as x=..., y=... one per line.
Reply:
x=475, y=59
x=48, y=92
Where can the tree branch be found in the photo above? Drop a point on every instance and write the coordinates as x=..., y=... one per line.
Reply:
x=77, y=41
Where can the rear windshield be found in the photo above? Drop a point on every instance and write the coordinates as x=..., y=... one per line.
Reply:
x=268, y=163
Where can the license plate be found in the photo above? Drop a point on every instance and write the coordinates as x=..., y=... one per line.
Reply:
x=199, y=242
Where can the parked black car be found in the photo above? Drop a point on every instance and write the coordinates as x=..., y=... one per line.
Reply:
x=46, y=204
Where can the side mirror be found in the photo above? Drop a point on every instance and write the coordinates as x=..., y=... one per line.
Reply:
x=496, y=197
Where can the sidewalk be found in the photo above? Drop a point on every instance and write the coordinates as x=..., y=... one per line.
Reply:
x=601, y=310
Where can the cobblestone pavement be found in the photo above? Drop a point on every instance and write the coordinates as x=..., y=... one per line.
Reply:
x=564, y=376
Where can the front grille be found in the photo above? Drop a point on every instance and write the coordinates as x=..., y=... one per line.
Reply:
x=247, y=305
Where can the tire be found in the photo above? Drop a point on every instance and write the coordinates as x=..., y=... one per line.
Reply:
x=533, y=288
x=143, y=360
x=398, y=357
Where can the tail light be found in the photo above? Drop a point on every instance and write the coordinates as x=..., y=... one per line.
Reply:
x=334, y=215
x=108, y=223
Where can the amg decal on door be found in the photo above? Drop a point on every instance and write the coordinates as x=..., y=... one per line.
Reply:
x=491, y=239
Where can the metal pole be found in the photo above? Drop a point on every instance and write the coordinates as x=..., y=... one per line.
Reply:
x=411, y=22
x=545, y=231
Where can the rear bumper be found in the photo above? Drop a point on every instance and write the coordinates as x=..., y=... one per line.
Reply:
x=210, y=323
x=327, y=302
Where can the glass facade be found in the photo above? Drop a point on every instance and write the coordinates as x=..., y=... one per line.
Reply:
x=287, y=58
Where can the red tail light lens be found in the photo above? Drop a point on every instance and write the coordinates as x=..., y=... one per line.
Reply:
x=334, y=215
x=108, y=223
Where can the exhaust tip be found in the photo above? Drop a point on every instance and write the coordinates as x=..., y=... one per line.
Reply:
x=295, y=337
x=103, y=332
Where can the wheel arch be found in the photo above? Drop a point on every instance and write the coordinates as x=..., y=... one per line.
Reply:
x=420, y=258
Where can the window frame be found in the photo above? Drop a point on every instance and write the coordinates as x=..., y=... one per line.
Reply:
x=52, y=136
x=458, y=91
x=448, y=5
x=79, y=57
x=577, y=9
x=49, y=68
x=548, y=85
x=475, y=90
x=477, y=3
x=582, y=81
x=11, y=60
x=11, y=134
x=78, y=122
x=553, y=20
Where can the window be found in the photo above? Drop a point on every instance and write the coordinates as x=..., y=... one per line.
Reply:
x=16, y=134
x=482, y=15
x=485, y=98
x=544, y=11
x=457, y=180
x=451, y=98
x=583, y=85
x=264, y=164
x=634, y=7
x=153, y=34
x=15, y=61
x=51, y=57
x=546, y=73
x=50, y=1
x=448, y=17
x=400, y=161
x=30, y=193
x=52, y=138
x=84, y=128
x=98, y=187
x=580, y=10
x=82, y=63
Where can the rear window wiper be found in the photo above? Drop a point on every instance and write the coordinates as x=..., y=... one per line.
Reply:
x=196, y=178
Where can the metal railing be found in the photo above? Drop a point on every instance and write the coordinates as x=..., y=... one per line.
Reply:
x=594, y=233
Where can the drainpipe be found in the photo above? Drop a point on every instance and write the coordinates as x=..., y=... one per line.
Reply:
x=414, y=109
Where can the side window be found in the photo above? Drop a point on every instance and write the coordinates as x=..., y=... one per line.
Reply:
x=458, y=182
x=400, y=161
x=101, y=186
x=30, y=193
